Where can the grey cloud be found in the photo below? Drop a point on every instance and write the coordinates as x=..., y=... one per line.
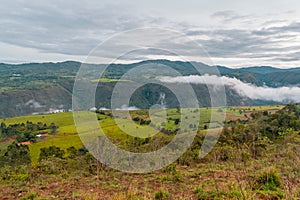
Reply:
x=59, y=29
x=233, y=43
x=272, y=22
x=287, y=59
x=295, y=56
x=228, y=15
x=237, y=43
x=263, y=32
x=145, y=53
x=230, y=43
x=293, y=27
x=75, y=28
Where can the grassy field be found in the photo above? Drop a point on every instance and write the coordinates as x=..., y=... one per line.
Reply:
x=107, y=80
x=67, y=136
x=227, y=172
x=60, y=119
x=236, y=109
x=62, y=141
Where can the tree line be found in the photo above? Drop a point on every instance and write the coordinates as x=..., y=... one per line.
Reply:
x=25, y=131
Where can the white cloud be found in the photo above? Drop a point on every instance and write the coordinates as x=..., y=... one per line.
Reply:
x=251, y=91
x=33, y=104
x=126, y=107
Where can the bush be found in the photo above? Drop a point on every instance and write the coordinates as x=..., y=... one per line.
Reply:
x=16, y=155
x=214, y=194
x=188, y=158
x=161, y=195
x=51, y=151
x=269, y=180
x=170, y=168
x=10, y=173
x=224, y=153
x=245, y=156
x=52, y=165
x=30, y=196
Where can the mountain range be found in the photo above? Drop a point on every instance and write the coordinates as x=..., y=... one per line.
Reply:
x=40, y=87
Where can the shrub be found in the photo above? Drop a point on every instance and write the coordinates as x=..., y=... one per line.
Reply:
x=224, y=153
x=16, y=155
x=214, y=194
x=52, y=165
x=10, y=173
x=170, y=168
x=188, y=158
x=269, y=180
x=51, y=151
x=245, y=156
x=30, y=196
x=161, y=195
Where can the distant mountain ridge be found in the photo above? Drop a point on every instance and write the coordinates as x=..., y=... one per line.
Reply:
x=51, y=84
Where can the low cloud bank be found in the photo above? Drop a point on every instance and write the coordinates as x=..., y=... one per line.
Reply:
x=125, y=107
x=33, y=104
x=280, y=94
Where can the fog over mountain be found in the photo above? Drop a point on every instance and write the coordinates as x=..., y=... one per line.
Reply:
x=280, y=94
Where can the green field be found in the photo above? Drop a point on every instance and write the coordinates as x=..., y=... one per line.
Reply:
x=244, y=164
x=107, y=80
x=67, y=136
x=60, y=119
x=236, y=109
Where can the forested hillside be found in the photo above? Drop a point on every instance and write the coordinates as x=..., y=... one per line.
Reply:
x=38, y=87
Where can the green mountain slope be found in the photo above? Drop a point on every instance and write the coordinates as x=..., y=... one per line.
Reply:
x=37, y=87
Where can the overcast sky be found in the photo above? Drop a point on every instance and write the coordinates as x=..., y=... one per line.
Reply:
x=234, y=33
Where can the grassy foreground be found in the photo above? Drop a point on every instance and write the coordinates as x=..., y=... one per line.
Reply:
x=256, y=157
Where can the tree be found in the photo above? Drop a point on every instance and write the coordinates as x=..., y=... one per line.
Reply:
x=3, y=127
x=16, y=155
x=53, y=128
x=72, y=152
x=265, y=113
x=51, y=151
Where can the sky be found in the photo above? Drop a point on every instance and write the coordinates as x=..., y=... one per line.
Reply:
x=233, y=33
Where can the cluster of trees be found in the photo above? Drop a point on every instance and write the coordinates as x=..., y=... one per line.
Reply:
x=52, y=160
x=25, y=131
x=141, y=121
x=15, y=155
x=262, y=129
x=284, y=120
x=105, y=112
